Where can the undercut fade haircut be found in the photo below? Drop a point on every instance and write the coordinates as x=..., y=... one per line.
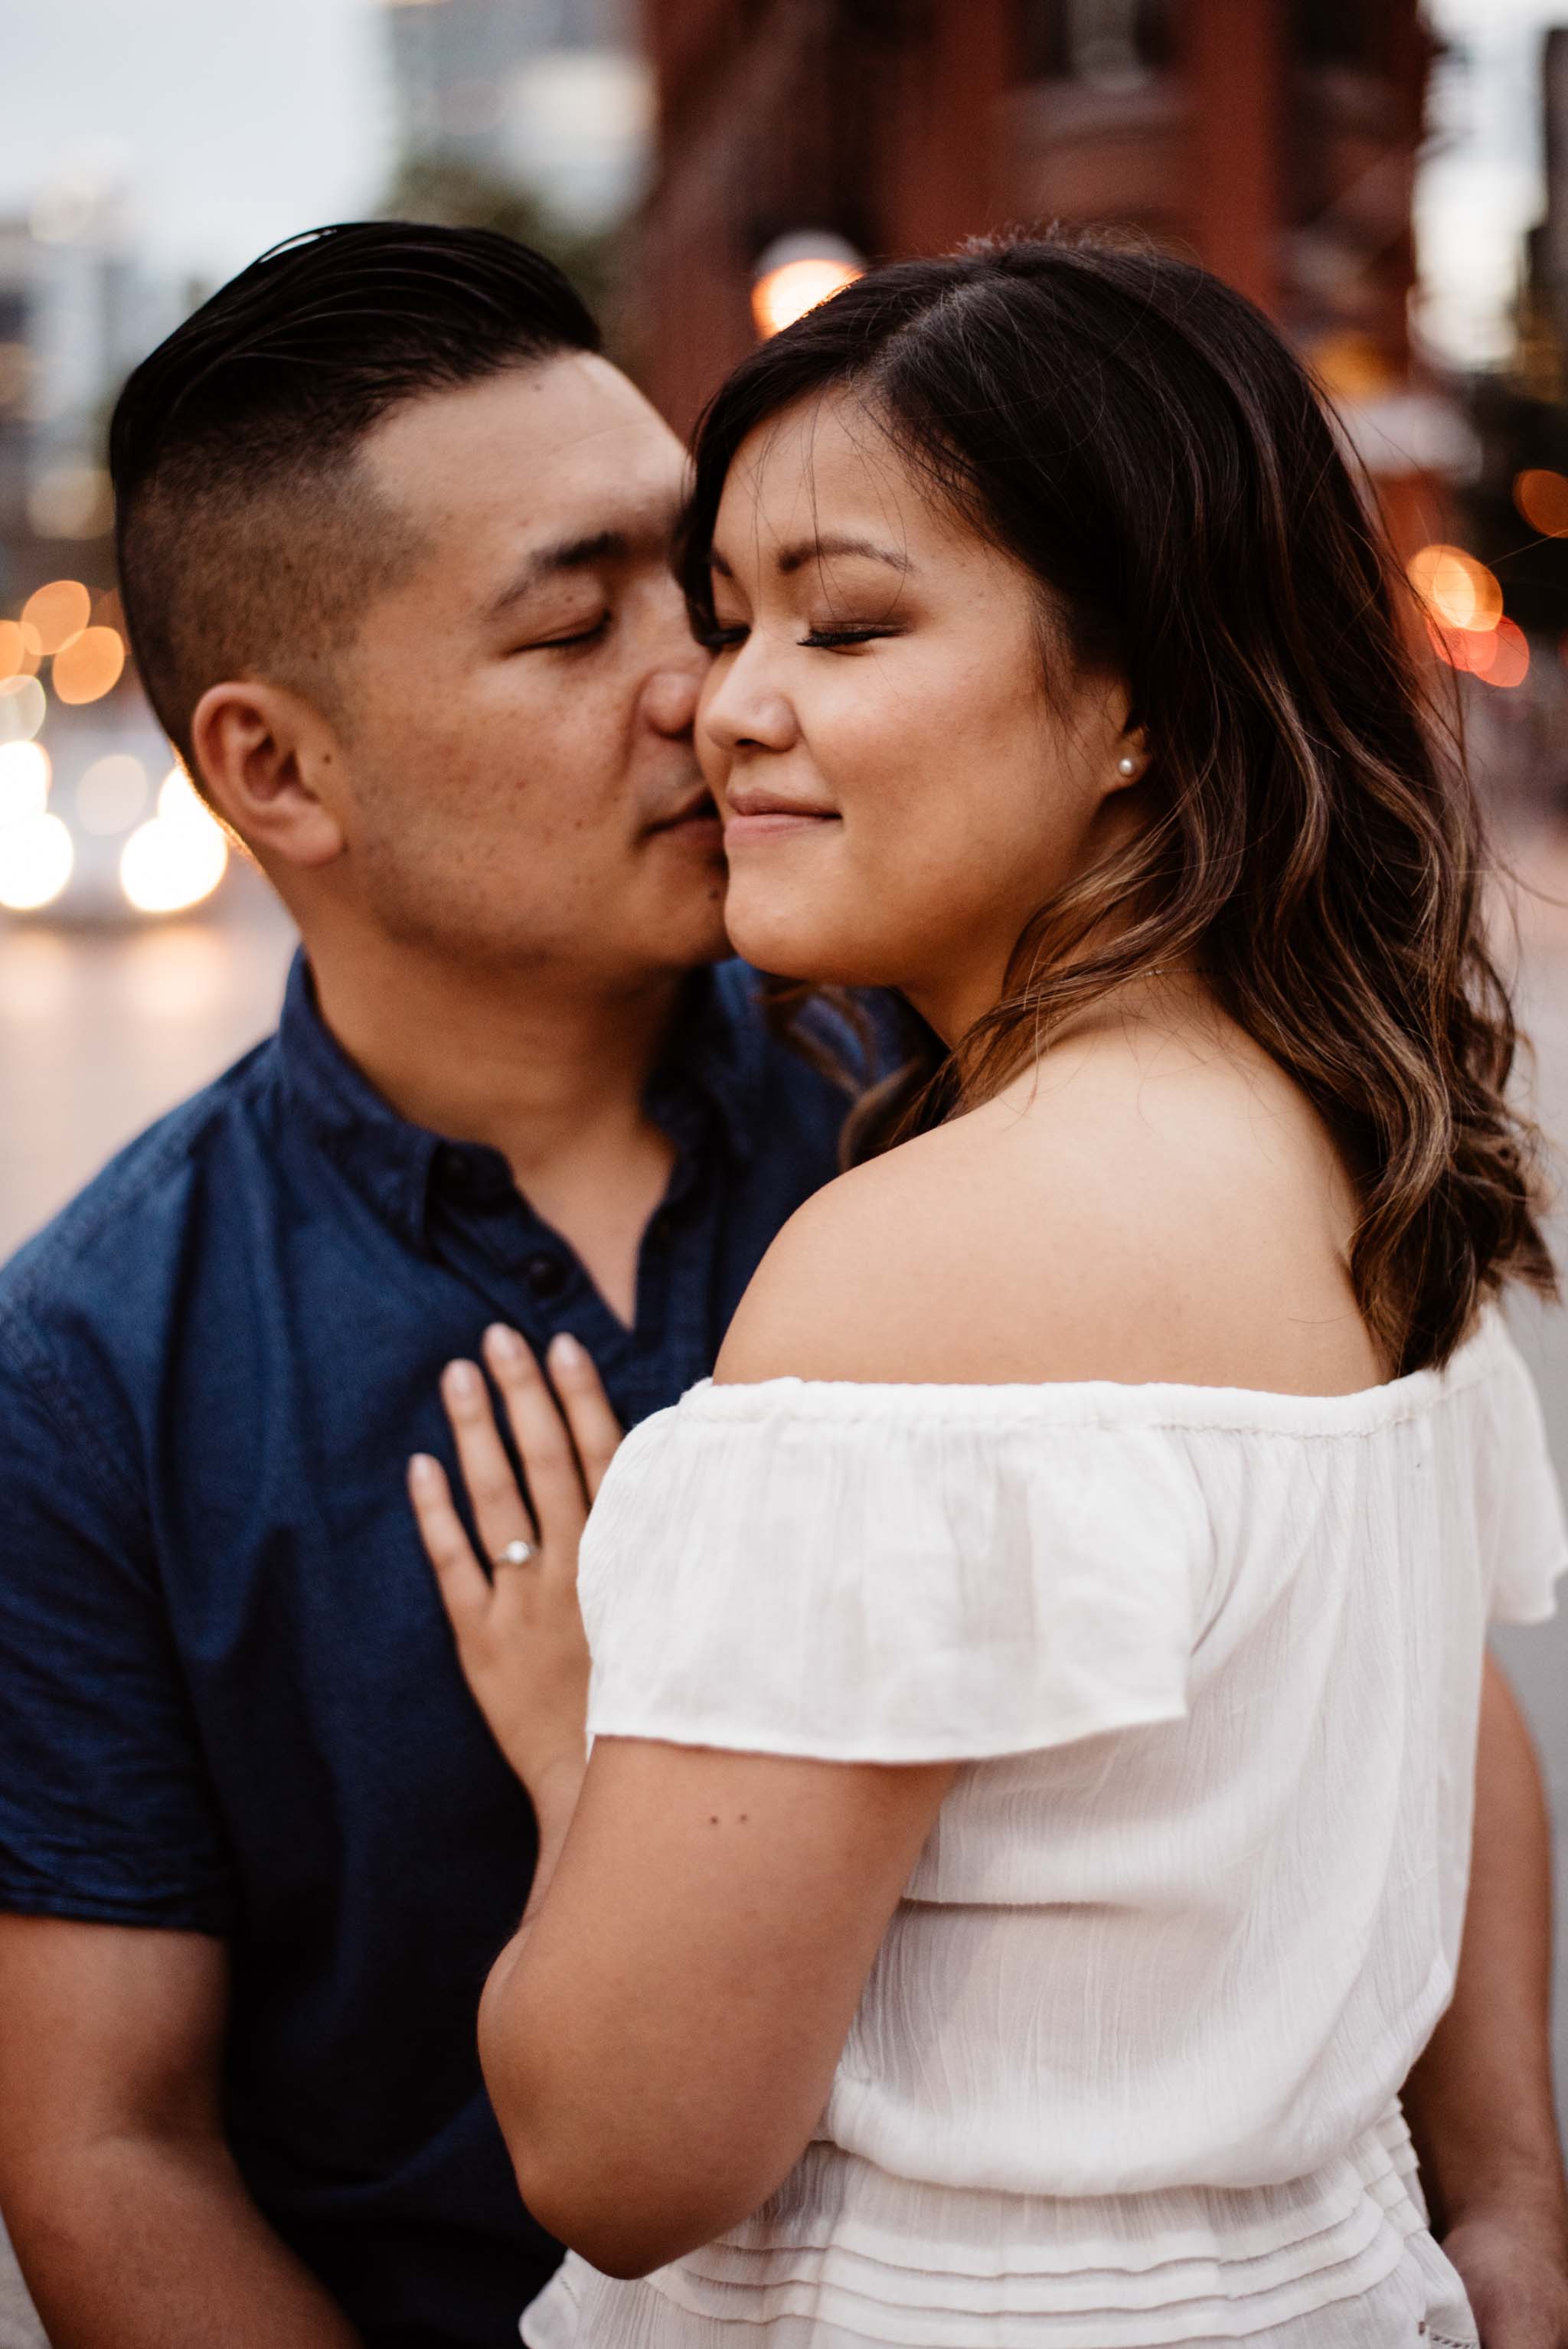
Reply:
x=249, y=534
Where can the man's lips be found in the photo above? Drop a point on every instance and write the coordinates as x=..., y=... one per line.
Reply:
x=697, y=814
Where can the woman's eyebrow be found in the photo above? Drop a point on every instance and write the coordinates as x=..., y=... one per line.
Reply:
x=812, y=550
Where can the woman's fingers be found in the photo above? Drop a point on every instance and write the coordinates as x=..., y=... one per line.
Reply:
x=492, y=1489
x=596, y=1430
x=543, y=1444
x=464, y=1586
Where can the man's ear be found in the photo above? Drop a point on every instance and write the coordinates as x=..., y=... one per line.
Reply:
x=263, y=754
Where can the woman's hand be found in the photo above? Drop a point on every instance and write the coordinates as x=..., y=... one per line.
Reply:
x=517, y=1627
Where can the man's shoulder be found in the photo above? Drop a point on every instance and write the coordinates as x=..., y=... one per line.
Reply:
x=834, y=1043
x=123, y=1233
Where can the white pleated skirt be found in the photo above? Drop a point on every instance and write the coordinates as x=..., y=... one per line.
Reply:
x=846, y=2257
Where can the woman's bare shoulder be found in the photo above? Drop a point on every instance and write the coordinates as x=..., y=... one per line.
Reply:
x=1120, y=1212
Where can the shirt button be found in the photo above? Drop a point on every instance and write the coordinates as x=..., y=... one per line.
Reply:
x=546, y=1275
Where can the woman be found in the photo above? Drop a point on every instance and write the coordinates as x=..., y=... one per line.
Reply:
x=1035, y=1682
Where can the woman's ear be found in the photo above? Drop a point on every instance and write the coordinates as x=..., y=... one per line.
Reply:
x=261, y=752
x=1131, y=756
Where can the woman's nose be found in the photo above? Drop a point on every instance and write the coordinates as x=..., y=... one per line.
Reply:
x=739, y=711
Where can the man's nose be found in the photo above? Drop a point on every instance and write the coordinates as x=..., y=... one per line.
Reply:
x=669, y=697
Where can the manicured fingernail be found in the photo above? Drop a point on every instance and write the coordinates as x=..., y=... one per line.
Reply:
x=462, y=1379
x=565, y=1353
x=503, y=1341
x=422, y=1473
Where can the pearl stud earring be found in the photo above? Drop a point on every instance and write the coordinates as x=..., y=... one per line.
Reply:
x=1127, y=765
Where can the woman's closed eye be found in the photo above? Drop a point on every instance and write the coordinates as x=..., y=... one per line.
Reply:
x=831, y=640
x=720, y=639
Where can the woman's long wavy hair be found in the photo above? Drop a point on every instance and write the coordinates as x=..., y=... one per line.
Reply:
x=1136, y=435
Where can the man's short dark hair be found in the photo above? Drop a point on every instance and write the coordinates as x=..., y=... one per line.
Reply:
x=248, y=534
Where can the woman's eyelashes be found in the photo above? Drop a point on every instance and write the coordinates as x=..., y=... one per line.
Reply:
x=827, y=639
x=830, y=640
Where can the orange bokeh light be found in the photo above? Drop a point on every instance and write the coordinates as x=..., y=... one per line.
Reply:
x=20, y=650
x=1541, y=497
x=89, y=666
x=59, y=612
x=787, y=292
x=1473, y=650
x=1511, y=665
x=1458, y=591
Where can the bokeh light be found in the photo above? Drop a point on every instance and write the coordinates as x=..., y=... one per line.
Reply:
x=1541, y=497
x=20, y=651
x=24, y=705
x=57, y=613
x=796, y=272
x=36, y=861
x=1511, y=665
x=1474, y=650
x=90, y=666
x=112, y=794
x=24, y=772
x=178, y=799
x=787, y=293
x=179, y=858
x=1458, y=591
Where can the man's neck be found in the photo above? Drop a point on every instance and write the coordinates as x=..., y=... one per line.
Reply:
x=549, y=1070
x=531, y=1063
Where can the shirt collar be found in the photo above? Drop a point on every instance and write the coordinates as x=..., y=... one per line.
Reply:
x=384, y=1155
x=718, y=1049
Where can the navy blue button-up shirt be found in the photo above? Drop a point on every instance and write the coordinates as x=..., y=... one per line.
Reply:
x=231, y=1702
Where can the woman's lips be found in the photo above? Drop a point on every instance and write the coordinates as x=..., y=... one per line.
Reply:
x=772, y=823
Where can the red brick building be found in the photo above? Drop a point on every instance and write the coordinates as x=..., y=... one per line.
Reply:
x=1275, y=138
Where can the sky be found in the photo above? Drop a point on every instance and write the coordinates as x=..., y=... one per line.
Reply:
x=230, y=123
x=1479, y=185
x=227, y=123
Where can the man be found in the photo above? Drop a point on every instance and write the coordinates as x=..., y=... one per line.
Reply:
x=393, y=544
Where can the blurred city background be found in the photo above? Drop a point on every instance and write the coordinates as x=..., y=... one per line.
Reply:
x=1389, y=179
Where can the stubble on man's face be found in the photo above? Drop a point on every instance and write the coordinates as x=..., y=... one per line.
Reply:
x=521, y=786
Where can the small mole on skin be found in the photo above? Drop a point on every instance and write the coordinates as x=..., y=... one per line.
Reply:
x=743, y=1818
x=714, y=1820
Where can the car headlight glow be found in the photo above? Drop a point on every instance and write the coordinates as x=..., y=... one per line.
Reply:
x=36, y=859
x=174, y=861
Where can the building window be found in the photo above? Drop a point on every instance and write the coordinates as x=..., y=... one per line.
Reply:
x=1099, y=41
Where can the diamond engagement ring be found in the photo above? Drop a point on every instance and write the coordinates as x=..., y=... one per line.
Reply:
x=516, y=1553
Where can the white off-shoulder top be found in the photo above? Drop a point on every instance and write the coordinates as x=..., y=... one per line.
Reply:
x=1126, y=2070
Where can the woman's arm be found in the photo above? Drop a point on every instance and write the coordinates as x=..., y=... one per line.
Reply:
x=660, y=2037
x=660, y=2041
x=1479, y=2100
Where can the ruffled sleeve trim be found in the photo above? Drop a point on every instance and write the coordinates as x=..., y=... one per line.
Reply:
x=917, y=1584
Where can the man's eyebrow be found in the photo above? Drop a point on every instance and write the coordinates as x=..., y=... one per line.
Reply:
x=812, y=550
x=578, y=553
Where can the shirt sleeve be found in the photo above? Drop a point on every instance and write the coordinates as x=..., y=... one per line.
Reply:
x=1521, y=1508
x=791, y=1569
x=106, y=1810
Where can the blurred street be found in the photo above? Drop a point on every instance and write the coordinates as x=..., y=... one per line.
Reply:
x=102, y=1030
